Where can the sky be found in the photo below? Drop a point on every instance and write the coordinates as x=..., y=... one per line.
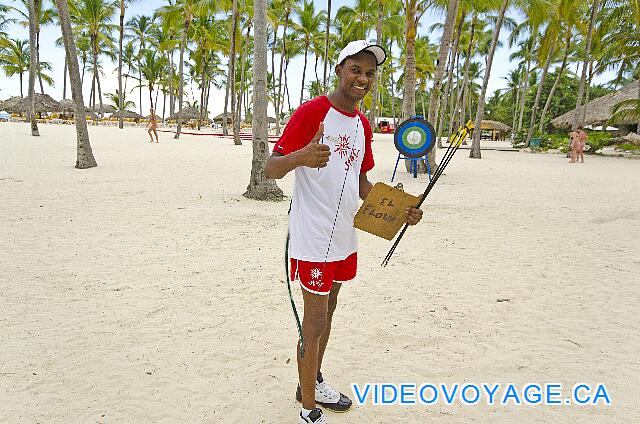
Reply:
x=55, y=55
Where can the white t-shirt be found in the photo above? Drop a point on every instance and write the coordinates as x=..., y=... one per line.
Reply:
x=330, y=194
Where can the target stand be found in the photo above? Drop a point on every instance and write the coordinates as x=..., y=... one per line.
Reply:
x=414, y=139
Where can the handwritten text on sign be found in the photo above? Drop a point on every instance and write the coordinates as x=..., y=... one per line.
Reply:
x=383, y=211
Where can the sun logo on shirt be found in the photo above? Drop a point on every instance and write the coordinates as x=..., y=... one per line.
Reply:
x=342, y=148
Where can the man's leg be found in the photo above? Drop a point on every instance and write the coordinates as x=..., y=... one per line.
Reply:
x=331, y=307
x=313, y=326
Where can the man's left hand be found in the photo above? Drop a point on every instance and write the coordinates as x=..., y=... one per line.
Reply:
x=414, y=215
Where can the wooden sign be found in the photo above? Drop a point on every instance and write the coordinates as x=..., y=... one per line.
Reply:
x=383, y=211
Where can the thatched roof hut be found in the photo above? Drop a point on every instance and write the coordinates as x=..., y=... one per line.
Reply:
x=495, y=125
x=43, y=103
x=105, y=109
x=186, y=114
x=127, y=114
x=219, y=118
x=158, y=119
x=599, y=110
x=497, y=129
x=68, y=105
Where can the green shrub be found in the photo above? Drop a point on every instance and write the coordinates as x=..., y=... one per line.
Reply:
x=628, y=146
x=597, y=140
x=555, y=141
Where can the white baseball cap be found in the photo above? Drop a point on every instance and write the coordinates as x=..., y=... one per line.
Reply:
x=357, y=46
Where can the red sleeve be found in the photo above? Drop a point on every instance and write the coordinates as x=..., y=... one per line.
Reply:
x=367, y=160
x=302, y=126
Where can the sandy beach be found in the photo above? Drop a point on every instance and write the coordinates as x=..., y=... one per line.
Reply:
x=149, y=290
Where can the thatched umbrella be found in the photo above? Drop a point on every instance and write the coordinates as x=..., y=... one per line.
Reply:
x=68, y=105
x=43, y=103
x=186, y=114
x=599, y=110
x=127, y=114
x=219, y=118
x=148, y=118
x=105, y=109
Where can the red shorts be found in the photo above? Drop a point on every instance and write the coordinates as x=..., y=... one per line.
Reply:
x=318, y=277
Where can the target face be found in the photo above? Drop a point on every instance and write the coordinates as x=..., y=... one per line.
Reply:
x=415, y=138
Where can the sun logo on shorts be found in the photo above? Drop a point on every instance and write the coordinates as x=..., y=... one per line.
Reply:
x=316, y=274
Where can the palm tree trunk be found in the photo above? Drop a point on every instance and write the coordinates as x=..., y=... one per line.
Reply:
x=374, y=92
x=151, y=96
x=120, y=41
x=587, y=91
x=21, y=90
x=172, y=95
x=33, y=64
x=443, y=53
x=467, y=63
x=259, y=187
x=85, y=157
x=525, y=83
x=547, y=104
x=38, y=54
x=231, y=81
x=100, y=96
x=536, y=102
x=279, y=98
x=445, y=44
x=64, y=80
x=326, y=48
x=475, y=146
x=202, y=79
x=183, y=43
x=304, y=71
x=286, y=84
x=241, y=93
x=455, y=62
x=94, y=50
x=587, y=59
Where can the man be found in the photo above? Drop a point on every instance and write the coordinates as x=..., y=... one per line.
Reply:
x=582, y=137
x=328, y=143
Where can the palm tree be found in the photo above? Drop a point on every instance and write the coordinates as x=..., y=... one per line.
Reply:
x=309, y=27
x=181, y=15
x=123, y=6
x=33, y=61
x=586, y=61
x=14, y=59
x=141, y=27
x=152, y=67
x=94, y=17
x=43, y=16
x=84, y=153
x=475, y=146
x=120, y=102
x=414, y=9
x=259, y=187
x=231, y=74
x=360, y=19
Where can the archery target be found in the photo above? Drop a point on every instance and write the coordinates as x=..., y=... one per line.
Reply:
x=414, y=138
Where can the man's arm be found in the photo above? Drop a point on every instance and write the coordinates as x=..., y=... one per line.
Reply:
x=313, y=155
x=365, y=186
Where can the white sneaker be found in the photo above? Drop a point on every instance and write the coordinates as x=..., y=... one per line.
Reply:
x=315, y=416
x=328, y=397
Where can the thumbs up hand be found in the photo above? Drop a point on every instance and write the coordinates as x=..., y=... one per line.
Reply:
x=315, y=154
